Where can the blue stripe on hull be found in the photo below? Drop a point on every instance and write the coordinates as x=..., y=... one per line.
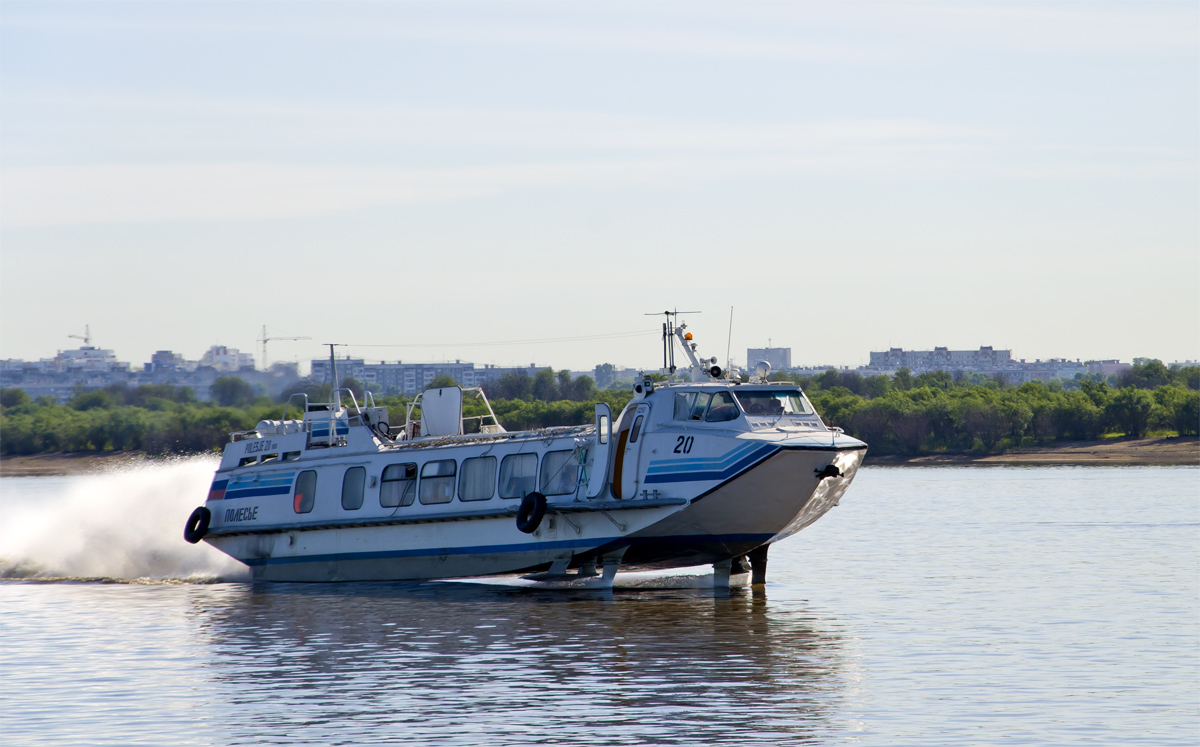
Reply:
x=504, y=549
x=755, y=456
x=432, y=552
x=251, y=492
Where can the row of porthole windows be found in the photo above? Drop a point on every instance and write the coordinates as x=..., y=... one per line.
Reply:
x=400, y=484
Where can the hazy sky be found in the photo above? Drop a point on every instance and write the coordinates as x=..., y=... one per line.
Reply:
x=848, y=176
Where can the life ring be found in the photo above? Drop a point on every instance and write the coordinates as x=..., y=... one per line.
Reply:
x=529, y=516
x=383, y=429
x=197, y=525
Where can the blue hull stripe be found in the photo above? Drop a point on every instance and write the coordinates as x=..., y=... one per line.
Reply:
x=246, y=486
x=251, y=492
x=505, y=549
x=433, y=551
x=720, y=474
x=700, y=464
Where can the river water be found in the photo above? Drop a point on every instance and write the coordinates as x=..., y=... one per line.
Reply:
x=935, y=606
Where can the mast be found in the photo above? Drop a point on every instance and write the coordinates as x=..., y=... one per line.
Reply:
x=668, y=338
x=335, y=395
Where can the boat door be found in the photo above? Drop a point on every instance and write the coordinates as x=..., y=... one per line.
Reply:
x=597, y=468
x=626, y=467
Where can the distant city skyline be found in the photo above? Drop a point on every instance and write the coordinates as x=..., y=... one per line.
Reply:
x=848, y=177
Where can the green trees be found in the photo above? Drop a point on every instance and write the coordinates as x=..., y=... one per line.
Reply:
x=546, y=386
x=909, y=414
x=439, y=381
x=604, y=375
x=230, y=391
x=13, y=397
x=1129, y=409
x=1185, y=412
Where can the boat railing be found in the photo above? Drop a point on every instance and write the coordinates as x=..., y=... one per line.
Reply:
x=412, y=425
x=288, y=404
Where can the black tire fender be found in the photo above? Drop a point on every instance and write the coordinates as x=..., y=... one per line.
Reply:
x=531, y=512
x=197, y=525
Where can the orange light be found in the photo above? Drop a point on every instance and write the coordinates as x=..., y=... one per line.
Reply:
x=687, y=335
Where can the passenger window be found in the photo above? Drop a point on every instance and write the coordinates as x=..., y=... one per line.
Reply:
x=722, y=408
x=247, y=461
x=289, y=456
x=478, y=479
x=398, y=486
x=437, y=481
x=701, y=404
x=305, y=494
x=518, y=475
x=352, y=488
x=635, y=430
x=683, y=405
x=269, y=458
x=560, y=471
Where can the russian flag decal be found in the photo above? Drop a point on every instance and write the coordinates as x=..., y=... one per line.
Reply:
x=217, y=491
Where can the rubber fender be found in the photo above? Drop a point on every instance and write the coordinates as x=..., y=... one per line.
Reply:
x=533, y=509
x=197, y=525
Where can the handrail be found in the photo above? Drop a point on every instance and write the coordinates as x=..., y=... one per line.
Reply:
x=349, y=391
x=289, y=403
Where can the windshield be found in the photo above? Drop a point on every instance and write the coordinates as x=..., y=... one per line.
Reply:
x=773, y=403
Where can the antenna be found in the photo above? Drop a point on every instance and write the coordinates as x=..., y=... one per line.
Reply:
x=335, y=395
x=668, y=333
x=86, y=336
x=729, y=342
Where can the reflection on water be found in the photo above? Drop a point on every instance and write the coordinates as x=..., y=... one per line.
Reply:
x=477, y=664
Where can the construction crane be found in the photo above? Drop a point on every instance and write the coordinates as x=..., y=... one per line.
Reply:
x=264, y=340
x=86, y=336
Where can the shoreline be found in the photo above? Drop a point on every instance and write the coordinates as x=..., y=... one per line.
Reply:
x=1146, y=452
x=1161, y=451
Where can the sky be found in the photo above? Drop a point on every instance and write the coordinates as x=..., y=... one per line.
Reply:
x=509, y=183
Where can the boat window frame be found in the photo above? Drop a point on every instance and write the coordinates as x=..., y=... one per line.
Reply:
x=408, y=496
x=521, y=455
x=636, y=429
x=463, y=474
x=297, y=496
x=687, y=400
x=544, y=479
x=737, y=412
x=362, y=487
x=426, y=479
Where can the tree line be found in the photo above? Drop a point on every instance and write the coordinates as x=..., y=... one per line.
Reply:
x=910, y=415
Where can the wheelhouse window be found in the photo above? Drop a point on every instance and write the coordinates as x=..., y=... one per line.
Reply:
x=774, y=404
x=722, y=408
x=437, y=481
x=560, y=471
x=692, y=405
x=304, y=495
x=518, y=475
x=398, y=486
x=478, y=481
x=353, y=485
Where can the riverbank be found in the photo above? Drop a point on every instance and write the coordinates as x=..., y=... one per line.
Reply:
x=1174, y=450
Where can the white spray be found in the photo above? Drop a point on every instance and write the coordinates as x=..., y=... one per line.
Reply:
x=126, y=524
